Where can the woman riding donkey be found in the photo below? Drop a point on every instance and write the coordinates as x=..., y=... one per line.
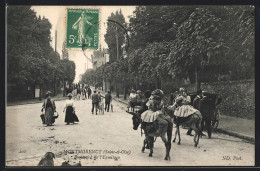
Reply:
x=186, y=115
x=154, y=123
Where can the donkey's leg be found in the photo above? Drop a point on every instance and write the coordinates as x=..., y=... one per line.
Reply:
x=197, y=134
x=179, y=136
x=145, y=142
x=176, y=131
x=150, y=142
x=195, y=137
x=198, y=138
x=167, y=146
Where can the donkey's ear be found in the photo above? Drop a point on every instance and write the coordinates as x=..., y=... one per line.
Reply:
x=131, y=113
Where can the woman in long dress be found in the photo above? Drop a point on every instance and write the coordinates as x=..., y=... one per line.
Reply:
x=50, y=108
x=70, y=116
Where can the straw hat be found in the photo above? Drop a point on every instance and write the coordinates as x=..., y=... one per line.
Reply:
x=69, y=95
x=47, y=93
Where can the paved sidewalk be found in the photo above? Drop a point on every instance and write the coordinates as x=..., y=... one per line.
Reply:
x=233, y=126
x=36, y=100
x=238, y=127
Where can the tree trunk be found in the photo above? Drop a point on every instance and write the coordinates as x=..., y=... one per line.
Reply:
x=161, y=81
x=158, y=83
x=54, y=86
x=117, y=92
x=64, y=93
x=40, y=94
x=124, y=91
x=197, y=78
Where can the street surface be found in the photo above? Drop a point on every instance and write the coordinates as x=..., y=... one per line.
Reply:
x=109, y=140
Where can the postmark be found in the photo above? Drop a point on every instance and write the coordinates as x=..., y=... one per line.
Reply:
x=82, y=28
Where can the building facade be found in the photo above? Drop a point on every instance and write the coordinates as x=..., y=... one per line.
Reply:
x=99, y=58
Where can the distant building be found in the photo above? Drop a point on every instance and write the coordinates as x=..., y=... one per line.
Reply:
x=99, y=58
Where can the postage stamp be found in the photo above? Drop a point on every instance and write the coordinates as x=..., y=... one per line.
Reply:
x=82, y=28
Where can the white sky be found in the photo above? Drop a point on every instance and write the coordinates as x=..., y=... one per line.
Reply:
x=57, y=17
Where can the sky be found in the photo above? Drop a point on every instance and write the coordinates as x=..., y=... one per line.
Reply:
x=57, y=17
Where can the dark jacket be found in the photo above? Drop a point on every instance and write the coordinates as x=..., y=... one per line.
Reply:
x=206, y=107
x=108, y=97
x=94, y=98
x=45, y=103
x=196, y=102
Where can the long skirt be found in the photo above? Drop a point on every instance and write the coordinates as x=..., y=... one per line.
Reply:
x=70, y=117
x=185, y=111
x=49, y=116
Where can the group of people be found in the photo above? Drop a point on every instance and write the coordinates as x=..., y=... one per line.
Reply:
x=135, y=98
x=80, y=91
x=97, y=101
x=49, y=107
x=182, y=105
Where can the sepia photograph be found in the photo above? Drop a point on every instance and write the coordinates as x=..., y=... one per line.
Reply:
x=149, y=85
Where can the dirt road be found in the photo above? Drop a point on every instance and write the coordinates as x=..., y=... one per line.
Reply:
x=109, y=140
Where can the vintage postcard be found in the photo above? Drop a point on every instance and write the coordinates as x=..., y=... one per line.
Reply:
x=130, y=85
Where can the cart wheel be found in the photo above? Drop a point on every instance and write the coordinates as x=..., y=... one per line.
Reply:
x=217, y=118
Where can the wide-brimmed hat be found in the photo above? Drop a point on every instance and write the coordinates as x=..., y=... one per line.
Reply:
x=158, y=93
x=182, y=89
x=69, y=95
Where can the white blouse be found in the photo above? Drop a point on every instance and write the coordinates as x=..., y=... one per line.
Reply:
x=69, y=103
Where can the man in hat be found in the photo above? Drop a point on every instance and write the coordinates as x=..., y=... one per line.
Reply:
x=108, y=99
x=95, y=101
x=206, y=108
x=196, y=102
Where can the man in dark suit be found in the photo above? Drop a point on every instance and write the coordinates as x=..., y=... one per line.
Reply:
x=108, y=99
x=95, y=101
x=196, y=103
x=206, y=108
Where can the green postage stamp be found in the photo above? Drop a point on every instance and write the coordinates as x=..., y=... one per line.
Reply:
x=82, y=28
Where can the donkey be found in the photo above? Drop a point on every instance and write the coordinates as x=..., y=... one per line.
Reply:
x=163, y=125
x=193, y=121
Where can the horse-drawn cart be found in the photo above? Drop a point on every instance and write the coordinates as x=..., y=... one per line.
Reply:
x=215, y=102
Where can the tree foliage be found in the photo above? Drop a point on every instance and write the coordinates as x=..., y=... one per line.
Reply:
x=196, y=42
x=30, y=58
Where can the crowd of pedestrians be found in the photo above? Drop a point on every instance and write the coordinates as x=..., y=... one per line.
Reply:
x=79, y=92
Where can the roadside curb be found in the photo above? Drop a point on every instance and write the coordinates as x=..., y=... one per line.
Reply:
x=63, y=98
x=120, y=101
x=115, y=98
x=220, y=130
x=245, y=137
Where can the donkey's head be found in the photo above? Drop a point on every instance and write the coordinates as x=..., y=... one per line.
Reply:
x=136, y=120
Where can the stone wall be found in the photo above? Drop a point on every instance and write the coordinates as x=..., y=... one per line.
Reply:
x=238, y=97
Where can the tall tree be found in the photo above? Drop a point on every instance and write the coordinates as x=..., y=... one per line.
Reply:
x=196, y=45
x=115, y=35
x=30, y=58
